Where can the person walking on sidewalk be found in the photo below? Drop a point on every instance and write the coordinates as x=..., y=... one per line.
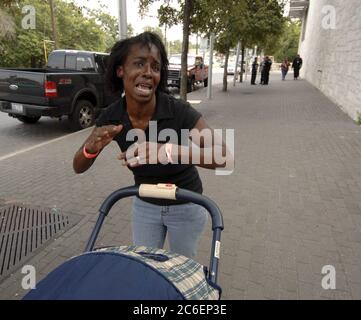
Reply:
x=266, y=70
x=254, y=71
x=284, y=68
x=296, y=66
x=138, y=68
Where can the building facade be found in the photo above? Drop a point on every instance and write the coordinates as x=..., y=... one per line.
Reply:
x=330, y=46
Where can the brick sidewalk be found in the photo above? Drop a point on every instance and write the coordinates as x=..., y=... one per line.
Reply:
x=291, y=206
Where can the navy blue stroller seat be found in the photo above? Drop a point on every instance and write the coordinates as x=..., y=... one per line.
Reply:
x=135, y=273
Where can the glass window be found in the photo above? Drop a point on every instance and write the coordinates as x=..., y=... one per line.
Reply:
x=70, y=62
x=84, y=63
x=56, y=60
x=101, y=61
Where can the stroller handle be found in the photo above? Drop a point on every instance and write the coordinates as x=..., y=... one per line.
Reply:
x=166, y=191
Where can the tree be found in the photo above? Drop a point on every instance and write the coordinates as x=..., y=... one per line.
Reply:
x=7, y=25
x=287, y=46
x=156, y=30
x=175, y=46
x=224, y=18
x=252, y=22
x=78, y=28
x=170, y=16
x=108, y=24
x=187, y=11
x=130, y=30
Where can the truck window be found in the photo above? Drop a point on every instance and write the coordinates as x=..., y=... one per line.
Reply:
x=84, y=63
x=70, y=62
x=101, y=62
x=56, y=60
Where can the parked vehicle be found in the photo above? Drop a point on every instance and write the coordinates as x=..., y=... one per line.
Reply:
x=197, y=71
x=71, y=84
x=231, y=65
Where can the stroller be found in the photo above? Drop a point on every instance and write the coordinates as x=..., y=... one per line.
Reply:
x=136, y=272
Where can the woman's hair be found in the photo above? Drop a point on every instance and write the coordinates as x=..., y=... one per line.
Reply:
x=121, y=50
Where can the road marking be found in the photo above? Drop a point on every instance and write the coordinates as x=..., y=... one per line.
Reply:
x=194, y=101
x=16, y=153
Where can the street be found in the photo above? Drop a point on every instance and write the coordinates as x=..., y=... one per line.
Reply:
x=16, y=135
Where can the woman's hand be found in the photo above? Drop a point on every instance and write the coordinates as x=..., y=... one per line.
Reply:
x=97, y=140
x=101, y=137
x=144, y=153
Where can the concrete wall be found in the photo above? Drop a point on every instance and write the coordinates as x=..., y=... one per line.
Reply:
x=332, y=57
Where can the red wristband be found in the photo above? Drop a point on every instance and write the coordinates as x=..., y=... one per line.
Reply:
x=89, y=155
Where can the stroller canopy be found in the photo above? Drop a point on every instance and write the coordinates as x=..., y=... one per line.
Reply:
x=125, y=273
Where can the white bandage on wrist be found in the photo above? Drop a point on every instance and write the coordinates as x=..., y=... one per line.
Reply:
x=168, y=152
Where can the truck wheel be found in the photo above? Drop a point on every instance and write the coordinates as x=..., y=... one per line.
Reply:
x=26, y=119
x=83, y=115
x=205, y=82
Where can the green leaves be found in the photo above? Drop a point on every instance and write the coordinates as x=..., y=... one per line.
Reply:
x=77, y=28
x=287, y=46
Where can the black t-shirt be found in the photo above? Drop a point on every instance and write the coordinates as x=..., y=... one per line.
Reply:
x=297, y=63
x=170, y=113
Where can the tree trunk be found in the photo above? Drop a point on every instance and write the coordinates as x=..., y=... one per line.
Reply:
x=33, y=61
x=53, y=24
x=188, y=8
x=224, y=88
x=242, y=64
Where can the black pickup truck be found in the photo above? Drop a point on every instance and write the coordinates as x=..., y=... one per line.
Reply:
x=71, y=84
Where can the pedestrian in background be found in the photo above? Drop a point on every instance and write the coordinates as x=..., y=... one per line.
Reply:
x=297, y=65
x=254, y=71
x=261, y=70
x=284, y=68
x=267, y=69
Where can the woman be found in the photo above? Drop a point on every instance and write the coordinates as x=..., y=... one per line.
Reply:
x=137, y=68
x=284, y=68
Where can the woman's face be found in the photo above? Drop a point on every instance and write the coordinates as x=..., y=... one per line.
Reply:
x=141, y=73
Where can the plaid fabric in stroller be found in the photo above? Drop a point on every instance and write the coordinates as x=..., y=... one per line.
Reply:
x=188, y=276
x=127, y=273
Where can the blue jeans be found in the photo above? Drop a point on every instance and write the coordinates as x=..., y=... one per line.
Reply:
x=184, y=223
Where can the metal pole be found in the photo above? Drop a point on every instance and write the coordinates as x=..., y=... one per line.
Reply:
x=122, y=19
x=197, y=45
x=210, y=67
x=235, y=68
